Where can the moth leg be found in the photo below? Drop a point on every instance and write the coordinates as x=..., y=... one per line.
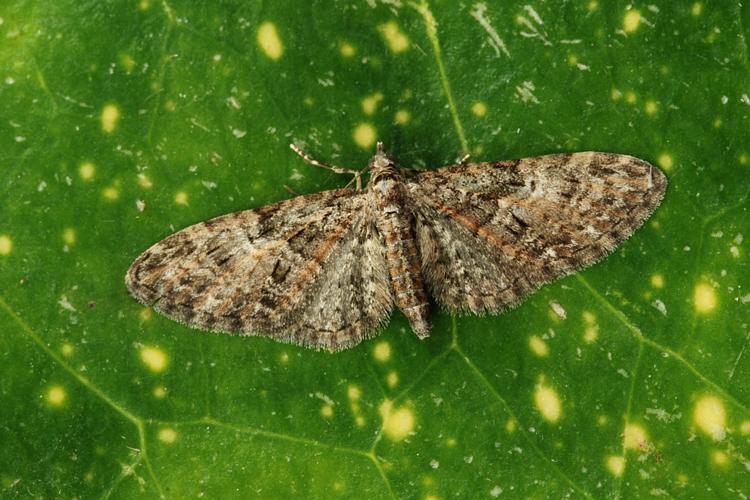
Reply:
x=465, y=158
x=312, y=161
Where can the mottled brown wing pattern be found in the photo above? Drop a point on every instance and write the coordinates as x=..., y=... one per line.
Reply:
x=307, y=270
x=489, y=234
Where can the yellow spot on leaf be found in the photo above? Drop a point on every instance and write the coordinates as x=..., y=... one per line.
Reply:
x=510, y=425
x=181, y=198
x=382, y=351
x=719, y=458
x=67, y=350
x=547, y=402
x=602, y=420
x=634, y=437
x=364, y=135
x=56, y=395
x=745, y=427
x=630, y=97
x=479, y=109
x=657, y=281
x=744, y=159
x=616, y=94
x=269, y=41
x=665, y=161
x=710, y=417
x=346, y=49
x=631, y=21
x=154, y=358
x=717, y=122
x=704, y=298
x=110, y=117
x=397, y=41
x=696, y=9
x=591, y=334
x=167, y=435
x=326, y=411
x=651, y=107
x=392, y=379
x=144, y=181
x=127, y=62
x=69, y=236
x=398, y=423
x=354, y=393
x=284, y=358
x=538, y=346
x=616, y=465
x=6, y=244
x=402, y=117
x=159, y=392
x=144, y=5
x=87, y=170
x=145, y=314
x=593, y=5
x=360, y=421
x=370, y=103
x=110, y=193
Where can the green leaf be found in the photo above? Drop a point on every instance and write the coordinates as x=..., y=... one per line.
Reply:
x=124, y=121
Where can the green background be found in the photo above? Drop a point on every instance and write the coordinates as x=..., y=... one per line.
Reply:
x=124, y=121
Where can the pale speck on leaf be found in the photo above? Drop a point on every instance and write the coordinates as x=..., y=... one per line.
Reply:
x=479, y=109
x=402, y=117
x=6, y=244
x=346, y=49
x=704, y=298
x=538, y=346
x=86, y=171
x=616, y=465
x=364, y=135
x=56, y=395
x=370, y=103
x=710, y=416
x=270, y=41
x=631, y=21
x=110, y=117
x=167, y=435
x=634, y=437
x=558, y=309
x=397, y=41
x=382, y=351
x=547, y=401
x=154, y=358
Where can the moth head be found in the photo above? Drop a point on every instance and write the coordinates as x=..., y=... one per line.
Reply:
x=381, y=162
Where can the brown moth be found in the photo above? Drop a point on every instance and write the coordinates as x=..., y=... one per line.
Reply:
x=325, y=270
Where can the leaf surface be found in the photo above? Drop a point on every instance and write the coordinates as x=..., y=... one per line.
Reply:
x=125, y=121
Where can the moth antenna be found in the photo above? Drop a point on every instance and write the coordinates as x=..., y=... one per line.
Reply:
x=312, y=161
x=380, y=150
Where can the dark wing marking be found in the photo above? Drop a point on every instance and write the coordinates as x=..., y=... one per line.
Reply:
x=489, y=234
x=310, y=271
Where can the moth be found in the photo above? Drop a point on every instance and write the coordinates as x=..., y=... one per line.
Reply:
x=326, y=270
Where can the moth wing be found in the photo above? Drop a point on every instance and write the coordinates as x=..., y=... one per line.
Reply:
x=490, y=234
x=310, y=271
